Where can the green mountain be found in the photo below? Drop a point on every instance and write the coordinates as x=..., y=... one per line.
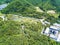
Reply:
x=13, y=33
x=27, y=8
x=26, y=30
x=19, y=7
x=43, y=4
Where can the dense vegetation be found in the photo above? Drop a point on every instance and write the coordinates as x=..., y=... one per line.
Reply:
x=12, y=33
x=27, y=8
x=5, y=1
x=43, y=4
x=19, y=7
x=27, y=31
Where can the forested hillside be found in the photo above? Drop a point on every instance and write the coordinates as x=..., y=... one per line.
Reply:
x=20, y=32
x=22, y=24
x=27, y=8
x=5, y=1
x=43, y=4
x=23, y=31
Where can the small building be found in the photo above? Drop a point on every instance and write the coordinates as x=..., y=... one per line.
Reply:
x=44, y=22
x=53, y=32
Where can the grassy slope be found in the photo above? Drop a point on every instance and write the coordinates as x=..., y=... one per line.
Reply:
x=27, y=8
x=33, y=37
x=13, y=34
